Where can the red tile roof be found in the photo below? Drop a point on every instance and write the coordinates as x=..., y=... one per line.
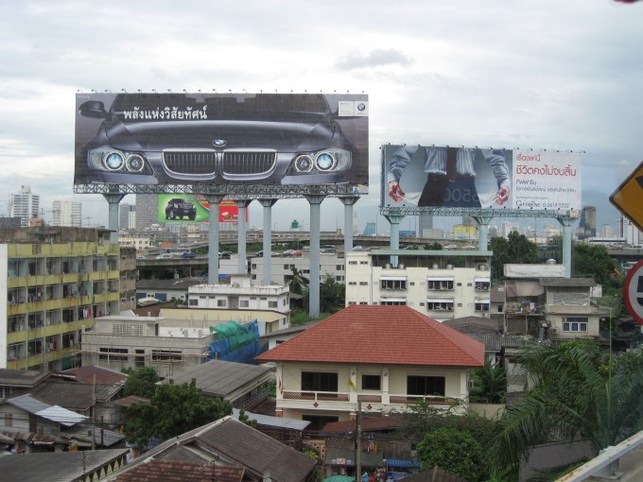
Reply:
x=104, y=376
x=391, y=335
x=178, y=471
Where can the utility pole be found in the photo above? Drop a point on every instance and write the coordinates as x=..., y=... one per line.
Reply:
x=358, y=443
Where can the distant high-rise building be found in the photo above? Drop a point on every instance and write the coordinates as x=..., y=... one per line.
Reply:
x=146, y=211
x=587, y=224
x=425, y=224
x=629, y=231
x=506, y=227
x=127, y=217
x=607, y=231
x=25, y=205
x=68, y=213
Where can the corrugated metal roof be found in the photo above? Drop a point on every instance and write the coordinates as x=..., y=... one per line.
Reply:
x=61, y=415
x=28, y=403
x=276, y=422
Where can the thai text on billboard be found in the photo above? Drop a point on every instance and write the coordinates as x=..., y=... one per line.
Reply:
x=195, y=138
x=193, y=208
x=473, y=177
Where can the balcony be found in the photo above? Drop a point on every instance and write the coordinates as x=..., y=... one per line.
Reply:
x=346, y=401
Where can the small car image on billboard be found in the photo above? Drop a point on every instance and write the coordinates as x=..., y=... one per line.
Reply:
x=178, y=208
x=221, y=138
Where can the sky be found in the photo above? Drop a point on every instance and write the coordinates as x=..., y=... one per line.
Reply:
x=542, y=74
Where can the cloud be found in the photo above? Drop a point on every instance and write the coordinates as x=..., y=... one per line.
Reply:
x=375, y=58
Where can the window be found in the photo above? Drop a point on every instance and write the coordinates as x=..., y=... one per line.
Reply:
x=222, y=303
x=352, y=262
x=273, y=304
x=575, y=324
x=371, y=382
x=393, y=284
x=482, y=286
x=439, y=285
x=8, y=419
x=393, y=302
x=418, y=385
x=193, y=302
x=167, y=355
x=442, y=305
x=363, y=283
x=352, y=283
x=319, y=381
x=482, y=306
x=113, y=354
x=244, y=304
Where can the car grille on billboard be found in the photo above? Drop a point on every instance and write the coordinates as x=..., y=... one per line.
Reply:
x=190, y=162
x=240, y=163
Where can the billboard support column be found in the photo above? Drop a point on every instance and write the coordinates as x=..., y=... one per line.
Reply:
x=315, y=201
x=113, y=200
x=483, y=231
x=213, y=237
x=567, y=222
x=242, y=264
x=394, y=219
x=349, y=202
x=267, y=238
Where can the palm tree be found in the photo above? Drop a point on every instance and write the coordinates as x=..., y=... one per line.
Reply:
x=489, y=384
x=578, y=392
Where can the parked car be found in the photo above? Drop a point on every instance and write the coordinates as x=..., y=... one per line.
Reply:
x=185, y=139
x=178, y=208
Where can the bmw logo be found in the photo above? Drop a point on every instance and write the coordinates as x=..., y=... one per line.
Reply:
x=361, y=107
x=219, y=143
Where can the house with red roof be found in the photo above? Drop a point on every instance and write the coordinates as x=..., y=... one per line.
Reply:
x=385, y=357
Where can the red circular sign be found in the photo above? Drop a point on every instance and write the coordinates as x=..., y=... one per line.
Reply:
x=633, y=291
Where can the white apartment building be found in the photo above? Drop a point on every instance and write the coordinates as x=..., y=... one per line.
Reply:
x=138, y=242
x=24, y=205
x=441, y=284
x=240, y=294
x=281, y=267
x=67, y=213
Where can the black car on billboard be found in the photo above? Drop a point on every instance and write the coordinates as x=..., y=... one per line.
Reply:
x=179, y=208
x=215, y=138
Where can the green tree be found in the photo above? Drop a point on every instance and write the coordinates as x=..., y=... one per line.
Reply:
x=489, y=384
x=297, y=284
x=433, y=246
x=515, y=249
x=591, y=260
x=453, y=450
x=173, y=410
x=332, y=295
x=578, y=392
x=140, y=382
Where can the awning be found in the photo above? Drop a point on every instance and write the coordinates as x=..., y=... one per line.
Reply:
x=396, y=300
x=440, y=278
x=392, y=278
x=439, y=300
x=482, y=280
x=402, y=463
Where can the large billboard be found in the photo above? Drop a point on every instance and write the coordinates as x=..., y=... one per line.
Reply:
x=193, y=208
x=472, y=177
x=199, y=138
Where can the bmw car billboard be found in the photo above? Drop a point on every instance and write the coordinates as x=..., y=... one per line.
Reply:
x=195, y=138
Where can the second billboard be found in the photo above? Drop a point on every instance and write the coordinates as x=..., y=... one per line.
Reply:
x=472, y=177
x=181, y=208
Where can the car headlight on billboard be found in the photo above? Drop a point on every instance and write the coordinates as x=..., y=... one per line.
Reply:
x=325, y=161
x=114, y=160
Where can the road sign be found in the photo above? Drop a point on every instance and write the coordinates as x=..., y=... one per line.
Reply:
x=633, y=291
x=628, y=197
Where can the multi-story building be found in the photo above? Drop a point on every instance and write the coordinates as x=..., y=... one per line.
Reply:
x=628, y=230
x=281, y=266
x=120, y=342
x=587, y=224
x=129, y=276
x=137, y=242
x=25, y=205
x=386, y=357
x=126, y=217
x=57, y=281
x=441, y=284
x=68, y=213
x=540, y=301
x=146, y=211
x=240, y=294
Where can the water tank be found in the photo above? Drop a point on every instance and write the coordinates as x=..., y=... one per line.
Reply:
x=550, y=261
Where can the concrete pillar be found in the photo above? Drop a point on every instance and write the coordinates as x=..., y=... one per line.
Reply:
x=567, y=222
x=349, y=202
x=242, y=263
x=394, y=219
x=213, y=237
x=113, y=199
x=483, y=231
x=267, y=239
x=315, y=233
